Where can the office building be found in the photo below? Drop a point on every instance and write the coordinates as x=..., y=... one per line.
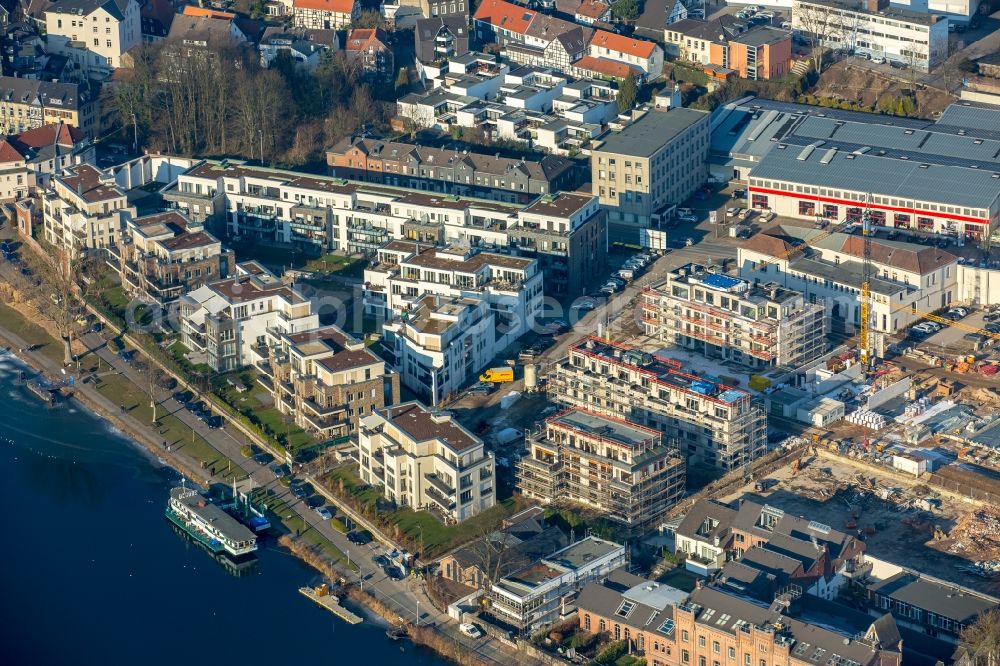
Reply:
x=423, y=459
x=703, y=420
x=876, y=29
x=655, y=161
x=620, y=469
x=757, y=325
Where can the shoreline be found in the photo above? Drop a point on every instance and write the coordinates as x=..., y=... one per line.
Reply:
x=373, y=607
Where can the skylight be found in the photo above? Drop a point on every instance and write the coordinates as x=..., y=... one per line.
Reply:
x=625, y=608
x=667, y=627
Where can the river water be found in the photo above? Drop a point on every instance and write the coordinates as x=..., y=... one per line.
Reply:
x=93, y=573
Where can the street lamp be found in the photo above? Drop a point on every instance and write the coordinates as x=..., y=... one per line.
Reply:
x=418, y=613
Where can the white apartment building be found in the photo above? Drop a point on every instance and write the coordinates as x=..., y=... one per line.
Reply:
x=105, y=28
x=704, y=420
x=873, y=27
x=959, y=11
x=424, y=459
x=757, y=325
x=542, y=592
x=320, y=213
x=84, y=209
x=407, y=271
x=440, y=342
x=829, y=271
x=225, y=320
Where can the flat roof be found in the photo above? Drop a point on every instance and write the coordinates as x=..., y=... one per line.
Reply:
x=891, y=12
x=951, y=601
x=645, y=136
x=616, y=430
x=583, y=552
x=906, y=179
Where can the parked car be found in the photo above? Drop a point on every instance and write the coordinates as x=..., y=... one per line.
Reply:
x=299, y=491
x=470, y=630
x=323, y=512
x=394, y=573
x=687, y=218
x=380, y=560
x=278, y=471
x=958, y=313
x=263, y=458
x=739, y=194
x=359, y=538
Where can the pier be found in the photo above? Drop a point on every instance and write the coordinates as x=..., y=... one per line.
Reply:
x=322, y=596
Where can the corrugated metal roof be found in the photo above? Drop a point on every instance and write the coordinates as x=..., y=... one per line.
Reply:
x=906, y=179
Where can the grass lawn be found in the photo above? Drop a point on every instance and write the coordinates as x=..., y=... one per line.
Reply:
x=438, y=538
x=32, y=333
x=680, y=578
x=295, y=524
x=689, y=74
x=338, y=264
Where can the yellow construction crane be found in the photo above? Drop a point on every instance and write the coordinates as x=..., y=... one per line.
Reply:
x=865, y=341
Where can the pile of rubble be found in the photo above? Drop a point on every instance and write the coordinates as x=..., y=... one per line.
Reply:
x=977, y=535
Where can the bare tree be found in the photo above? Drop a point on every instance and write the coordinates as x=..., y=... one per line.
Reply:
x=492, y=549
x=982, y=639
x=822, y=25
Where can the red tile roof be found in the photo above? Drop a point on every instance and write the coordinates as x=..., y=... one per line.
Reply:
x=336, y=6
x=359, y=39
x=592, y=9
x=612, y=68
x=505, y=15
x=622, y=44
x=40, y=137
x=9, y=153
x=191, y=10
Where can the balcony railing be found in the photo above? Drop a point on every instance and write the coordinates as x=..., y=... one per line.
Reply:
x=439, y=484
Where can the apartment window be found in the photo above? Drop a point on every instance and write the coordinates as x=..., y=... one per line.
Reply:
x=732, y=652
x=684, y=635
x=716, y=647
x=701, y=641
x=685, y=657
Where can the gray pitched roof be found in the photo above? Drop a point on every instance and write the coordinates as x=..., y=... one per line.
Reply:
x=719, y=517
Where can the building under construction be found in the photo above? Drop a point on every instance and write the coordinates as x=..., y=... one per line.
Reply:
x=621, y=469
x=703, y=419
x=723, y=317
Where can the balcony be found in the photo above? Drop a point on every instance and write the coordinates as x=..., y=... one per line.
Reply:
x=325, y=424
x=438, y=483
x=446, y=504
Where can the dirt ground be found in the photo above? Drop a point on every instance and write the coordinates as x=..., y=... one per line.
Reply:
x=831, y=492
x=844, y=81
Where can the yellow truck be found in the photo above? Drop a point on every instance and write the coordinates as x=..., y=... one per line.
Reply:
x=497, y=376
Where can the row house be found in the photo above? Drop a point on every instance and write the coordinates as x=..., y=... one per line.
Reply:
x=407, y=271
x=668, y=627
x=29, y=104
x=50, y=149
x=425, y=459
x=325, y=380
x=84, y=209
x=619, y=469
x=816, y=558
x=165, y=255
x=706, y=421
x=227, y=319
x=720, y=316
x=459, y=172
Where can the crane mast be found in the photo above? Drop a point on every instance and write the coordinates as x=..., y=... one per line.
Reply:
x=865, y=341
